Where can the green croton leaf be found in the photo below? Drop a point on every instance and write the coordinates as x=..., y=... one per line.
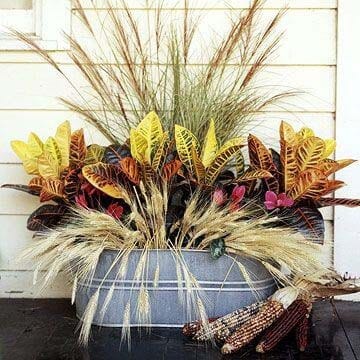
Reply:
x=217, y=248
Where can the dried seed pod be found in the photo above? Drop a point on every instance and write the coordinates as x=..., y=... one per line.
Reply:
x=226, y=325
x=302, y=333
x=191, y=328
x=283, y=325
x=269, y=312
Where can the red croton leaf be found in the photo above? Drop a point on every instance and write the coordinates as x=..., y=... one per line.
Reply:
x=170, y=169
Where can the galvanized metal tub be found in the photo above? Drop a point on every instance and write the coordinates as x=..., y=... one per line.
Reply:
x=223, y=288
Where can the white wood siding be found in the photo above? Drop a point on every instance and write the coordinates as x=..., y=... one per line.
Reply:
x=306, y=60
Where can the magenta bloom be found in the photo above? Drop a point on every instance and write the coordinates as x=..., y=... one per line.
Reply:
x=219, y=197
x=236, y=196
x=238, y=193
x=273, y=201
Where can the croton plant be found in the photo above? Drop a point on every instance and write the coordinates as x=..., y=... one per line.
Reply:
x=291, y=184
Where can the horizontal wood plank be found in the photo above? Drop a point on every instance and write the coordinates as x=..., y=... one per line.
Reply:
x=19, y=284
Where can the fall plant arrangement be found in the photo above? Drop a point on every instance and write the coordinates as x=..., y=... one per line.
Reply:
x=180, y=173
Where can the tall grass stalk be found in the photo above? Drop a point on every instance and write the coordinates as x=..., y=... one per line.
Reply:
x=134, y=69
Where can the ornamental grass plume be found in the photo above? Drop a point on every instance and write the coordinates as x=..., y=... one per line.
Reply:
x=134, y=70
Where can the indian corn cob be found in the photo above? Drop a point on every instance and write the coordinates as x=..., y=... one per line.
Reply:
x=191, y=328
x=302, y=333
x=268, y=313
x=283, y=325
x=226, y=325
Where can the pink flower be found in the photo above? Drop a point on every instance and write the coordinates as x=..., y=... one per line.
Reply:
x=219, y=197
x=236, y=196
x=238, y=193
x=115, y=210
x=273, y=201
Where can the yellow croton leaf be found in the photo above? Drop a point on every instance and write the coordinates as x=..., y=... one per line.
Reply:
x=35, y=145
x=185, y=142
x=160, y=152
x=330, y=145
x=228, y=151
x=309, y=184
x=49, y=167
x=305, y=132
x=50, y=160
x=106, y=178
x=20, y=148
x=23, y=151
x=138, y=145
x=288, y=134
x=63, y=138
x=210, y=147
x=151, y=130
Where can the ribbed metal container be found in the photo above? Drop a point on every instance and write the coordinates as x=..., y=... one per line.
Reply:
x=223, y=288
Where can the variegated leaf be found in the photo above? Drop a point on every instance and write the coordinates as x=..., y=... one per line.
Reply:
x=62, y=138
x=114, y=153
x=94, y=154
x=260, y=156
x=22, y=150
x=199, y=168
x=344, y=163
x=72, y=184
x=51, y=149
x=288, y=164
x=77, y=148
x=20, y=187
x=210, y=147
x=150, y=129
x=106, y=178
x=227, y=152
x=46, y=217
x=239, y=164
x=138, y=145
x=36, y=184
x=330, y=145
x=309, y=184
x=131, y=170
x=170, y=169
x=254, y=175
x=307, y=220
x=310, y=153
x=288, y=134
x=148, y=173
x=35, y=145
x=160, y=152
x=331, y=186
x=52, y=188
x=305, y=132
x=49, y=168
x=322, y=202
x=185, y=141
x=328, y=166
